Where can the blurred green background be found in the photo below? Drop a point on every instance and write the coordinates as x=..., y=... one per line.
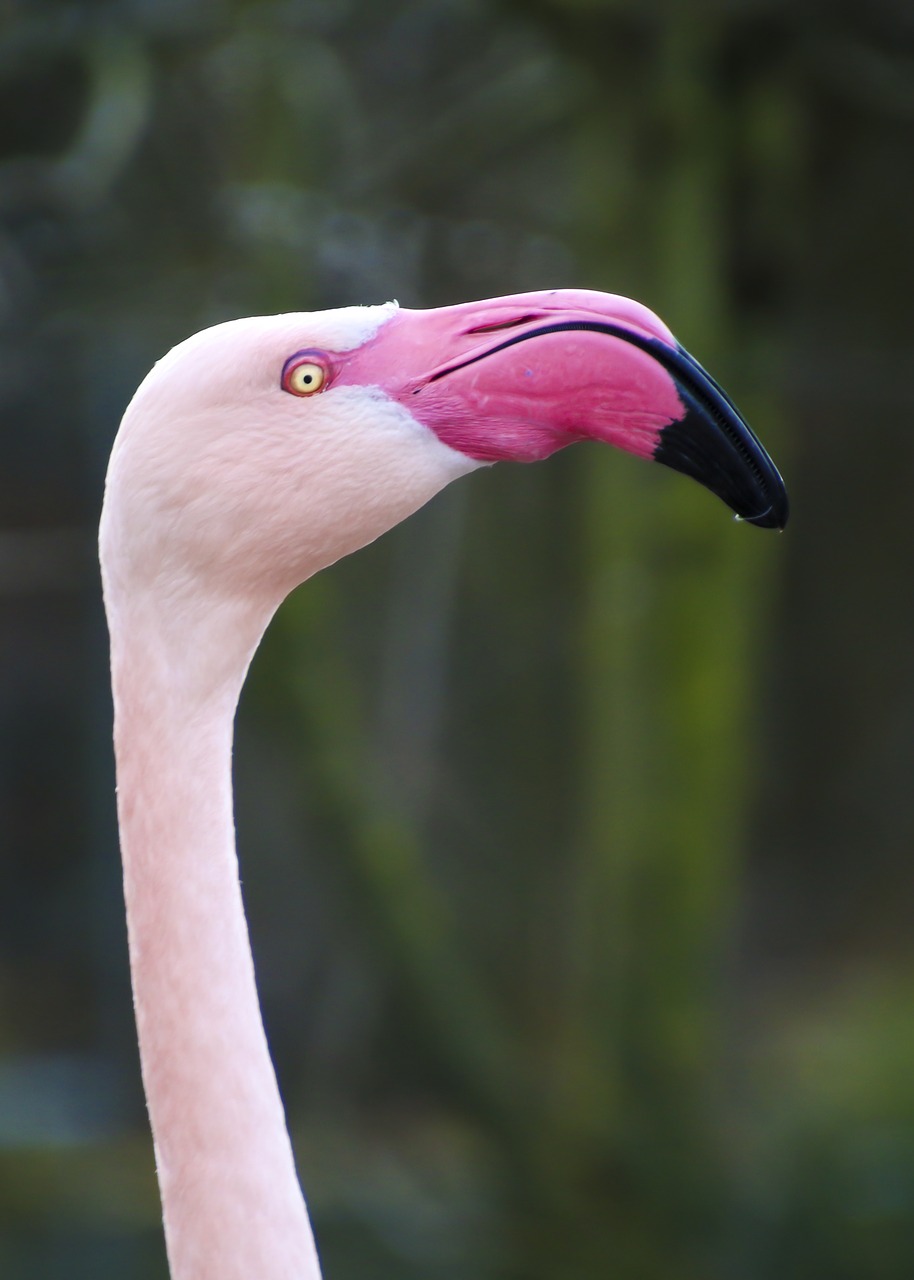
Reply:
x=576, y=821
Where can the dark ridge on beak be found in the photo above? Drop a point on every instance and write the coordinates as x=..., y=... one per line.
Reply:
x=715, y=445
x=712, y=442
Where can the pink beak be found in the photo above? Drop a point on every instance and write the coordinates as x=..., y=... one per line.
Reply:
x=519, y=377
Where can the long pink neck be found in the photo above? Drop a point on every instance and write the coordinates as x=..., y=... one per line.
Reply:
x=232, y=1204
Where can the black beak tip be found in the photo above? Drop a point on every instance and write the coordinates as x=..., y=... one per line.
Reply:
x=714, y=444
x=775, y=516
x=729, y=461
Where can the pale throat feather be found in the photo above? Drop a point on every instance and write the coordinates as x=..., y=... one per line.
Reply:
x=231, y=1199
x=209, y=521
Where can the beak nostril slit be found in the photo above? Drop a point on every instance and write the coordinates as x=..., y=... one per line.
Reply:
x=503, y=324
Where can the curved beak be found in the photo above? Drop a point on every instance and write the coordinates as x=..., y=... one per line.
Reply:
x=713, y=443
x=520, y=377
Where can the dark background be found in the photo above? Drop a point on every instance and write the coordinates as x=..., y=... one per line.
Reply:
x=575, y=820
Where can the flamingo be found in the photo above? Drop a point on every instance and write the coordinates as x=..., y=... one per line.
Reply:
x=253, y=455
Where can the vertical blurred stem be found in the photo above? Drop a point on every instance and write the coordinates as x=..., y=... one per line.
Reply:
x=670, y=604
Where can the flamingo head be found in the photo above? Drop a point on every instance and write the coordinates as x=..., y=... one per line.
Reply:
x=261, y=450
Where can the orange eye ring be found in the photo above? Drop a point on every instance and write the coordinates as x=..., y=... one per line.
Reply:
x=304, y=374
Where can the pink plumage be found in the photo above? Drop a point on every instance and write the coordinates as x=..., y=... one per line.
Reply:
x=230, y=483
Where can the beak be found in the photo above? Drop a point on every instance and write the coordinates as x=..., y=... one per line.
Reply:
x=517, y=378
x=715, y=445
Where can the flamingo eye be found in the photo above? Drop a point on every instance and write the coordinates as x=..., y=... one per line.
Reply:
x=304, y=374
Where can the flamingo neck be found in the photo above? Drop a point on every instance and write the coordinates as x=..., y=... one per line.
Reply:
x=231, y=1201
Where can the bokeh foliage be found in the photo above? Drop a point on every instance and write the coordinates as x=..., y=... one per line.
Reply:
x=574, y=820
